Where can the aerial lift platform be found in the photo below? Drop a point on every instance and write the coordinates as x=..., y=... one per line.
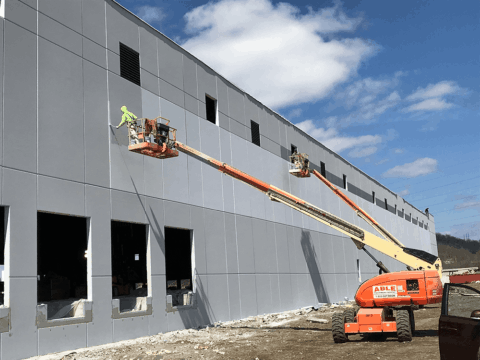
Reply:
x=377, y=297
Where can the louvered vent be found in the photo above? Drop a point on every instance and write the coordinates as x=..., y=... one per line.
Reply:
x=129, y=64
x=255, y=132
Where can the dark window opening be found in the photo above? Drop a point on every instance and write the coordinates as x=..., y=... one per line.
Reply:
x=3, y=232
x=178, y=265
x=255, y=132
x=322, y=169
x=211, y=106
x=129, y=64
x=373, y=197
x=129, y=264
x=386, y=205
x=395, y=209
x=62, y=243
x=345, y=182
x=293, y=150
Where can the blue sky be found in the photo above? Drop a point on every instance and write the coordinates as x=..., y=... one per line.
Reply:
x=393, y=87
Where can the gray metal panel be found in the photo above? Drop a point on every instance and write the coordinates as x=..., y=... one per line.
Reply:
x=218, y=297
x=207, y=83
x=264, y=293
x=330, y=283
x=60, y=152
x=23, y=221
x=126, y=169
x=246, y=255
x=150, y=105
x=20, y=98
x=257, y=199
x=2, y=22
x=324, y=251
x=100, y=330
x=275, y=292
x=212, y=178
x=120, y=29
x=93, y=21
x=304, y=298
x=113, y=62
x=338, y=253
x=150, y=82
x=190, y=75
x=241, y=190
x=283, y=133
x=31, y=3
x=270, y=240
x=170, y=63
x=177, y=215
x=191, y=104
x=172, y=93
x=251, y=111
x=158, y=320
x=222, y=91
x=238, y=129
x=263, y=251
x=148, y=51
x=248, y=295
x=282, y=248
x=59, y=34
x=23, y=342
x=197, y=223
x=130, y=328
x=286, y=296
x=291, y=250
x=128, y=207
x=227, y=181
x=67, y=12
x=156, y=221
x=22, y=15
x=195, y=182
x=72, y=337
x=236, y=107
x=94, y=53
x=300, y=237
x=223, y=121
x=351, y=256
x=234, y=296
x=231, y=244
x=215, y=240
x=202, y=110
x=97, y=208
x=96, y=148
x=269, y=145
x=60, y=196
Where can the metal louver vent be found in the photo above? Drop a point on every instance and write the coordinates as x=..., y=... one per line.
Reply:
x=255, y=132
x=129, y=64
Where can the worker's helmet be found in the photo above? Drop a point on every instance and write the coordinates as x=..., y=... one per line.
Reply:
x=123, y=108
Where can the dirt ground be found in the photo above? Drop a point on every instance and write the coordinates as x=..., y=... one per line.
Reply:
x=288, y=335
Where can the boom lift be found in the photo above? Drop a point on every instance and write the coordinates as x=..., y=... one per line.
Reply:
x=376, y=297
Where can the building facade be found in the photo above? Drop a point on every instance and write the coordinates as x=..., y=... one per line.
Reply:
x=65, y=77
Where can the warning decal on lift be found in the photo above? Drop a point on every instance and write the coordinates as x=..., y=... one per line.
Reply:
x=388, y=291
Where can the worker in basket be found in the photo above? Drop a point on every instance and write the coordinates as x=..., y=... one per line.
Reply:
x=130, y=118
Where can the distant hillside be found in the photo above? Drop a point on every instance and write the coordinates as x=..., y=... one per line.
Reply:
x=458, y=253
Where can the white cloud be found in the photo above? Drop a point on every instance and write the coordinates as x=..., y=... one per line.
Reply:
x=294, y=113
x=419, y=167
x=398, y=151
x=362, y=152
x=434, y=91
x=336, y=142
x=274, y=52
x=150, y=14
x=404, y=192
x=382, y=161
x=429, y=105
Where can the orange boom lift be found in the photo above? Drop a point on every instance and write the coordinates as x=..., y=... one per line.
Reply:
x=378, y=297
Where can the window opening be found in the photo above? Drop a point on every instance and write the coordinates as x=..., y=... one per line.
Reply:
x=129, y=264
x=386, y=205
x=293, y=150
x=373, y=197
x=322, y=169
x=129, y=64
x=255, y=132
x=345, y=182
x=395, y=209
x=178, y=265
x=211, y=107
x=3, y=233
x=62, y=243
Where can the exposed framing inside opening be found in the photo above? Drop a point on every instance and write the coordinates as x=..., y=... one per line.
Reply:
x=293, y=150
x=179, y=265
x=345, y=182
x=322, y=169
x=62, y=244
x=373, y=197
x=129, y=264
x=3, y=237
x=211, y=109
x=386, y=205
x=255, y=128
x=129, y=64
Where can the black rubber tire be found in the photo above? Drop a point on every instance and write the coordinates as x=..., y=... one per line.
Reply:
x=349, y=315
x=404, y=329
x=338, y=328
